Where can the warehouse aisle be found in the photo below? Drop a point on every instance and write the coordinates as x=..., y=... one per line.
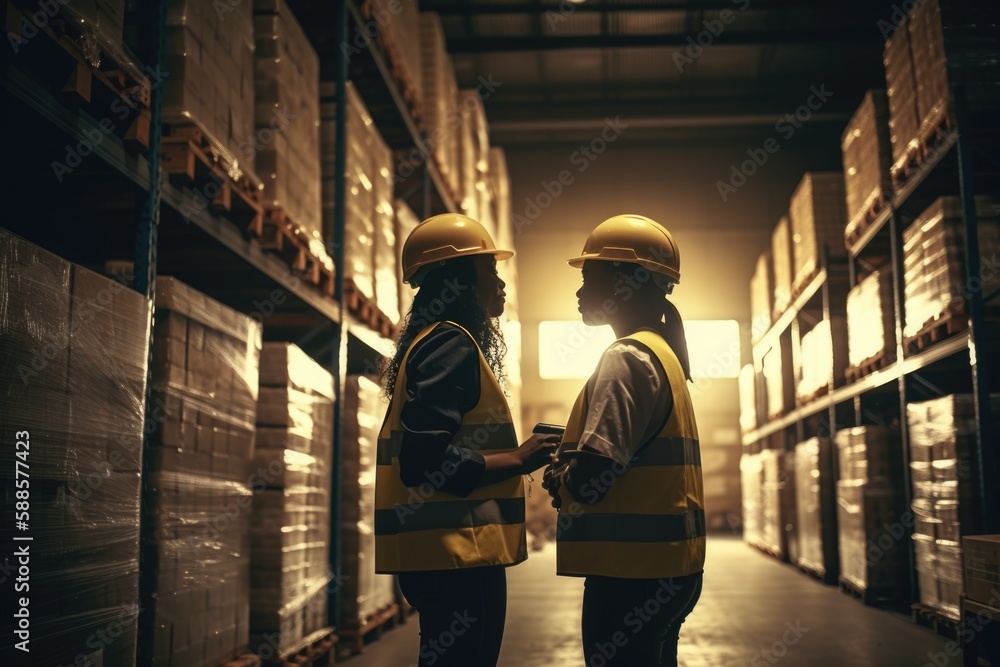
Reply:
x=748, y=615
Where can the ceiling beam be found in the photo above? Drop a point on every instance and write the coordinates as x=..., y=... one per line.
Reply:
x=453, y=7
x=730, y=38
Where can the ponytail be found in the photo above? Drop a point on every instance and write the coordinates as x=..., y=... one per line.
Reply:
x=672, y=330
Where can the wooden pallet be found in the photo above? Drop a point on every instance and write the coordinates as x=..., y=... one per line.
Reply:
x=869, y=596
x=935, y=619
x=869, y=366
x=944, y=327
x=82, y=72
x=922, y=148
x=863, y=221
x=188, y=156
x=355, y=632
x=245, y=660
x=799, y=286
x=822, y=574
x=279, y=234
x=806, y=400
x=314, y=650
x=364, y=309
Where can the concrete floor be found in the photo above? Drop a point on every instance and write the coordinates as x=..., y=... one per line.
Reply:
x=748, y=601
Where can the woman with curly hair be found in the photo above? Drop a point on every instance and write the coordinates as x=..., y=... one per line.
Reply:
x=450, y=506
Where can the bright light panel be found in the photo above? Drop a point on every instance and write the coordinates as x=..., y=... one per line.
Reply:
x=571, y=349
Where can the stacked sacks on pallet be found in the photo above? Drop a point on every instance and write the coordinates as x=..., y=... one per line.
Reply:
x=73, y=348
x=871, y=518
x=290, y=529
x=199, y=497
x=934, y=272
x=945, y=493
x=867, y=154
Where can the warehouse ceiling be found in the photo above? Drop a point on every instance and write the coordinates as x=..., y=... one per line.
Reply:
x=674, y=68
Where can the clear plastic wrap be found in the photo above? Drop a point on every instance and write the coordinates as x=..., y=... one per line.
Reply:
x=102, y=24
x=73, y=366
x=760, y=296
x=290, y=529
x=774, y=387
x=816, y=506
x=870, y=454
x=361, y=173
x=750, y=486
x=406, y=222
x=210, y=58
x=901, y=90
x=205, y=377
x=440, y=94
x=871, y=321
x=286, y=116
x=748, y=398
x=781, y=258
x=934, y=275
x=824, y=350
x=363, y=592
x=818, y=216
x=772, y=525
x=387, y=246
x=867, y=153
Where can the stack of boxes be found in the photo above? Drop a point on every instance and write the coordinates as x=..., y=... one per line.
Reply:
x=290, y=529
x=934, y=273
x=816, y=508
x=817, y=212
x=781, y=258
x=760, y=297
x=982, y=569
x=474, y=159
x=401, y=32
x=775, y=391
x=901, y=89
x=386, y=243
x=73, y=356
x=210, y=58
x=286, y=74
x=871, y=321
x=823, y=356
x=867, y=152
x=750, y=485
x=441, y=118
x=945, y=493
x=205, y=382
x=772, y=519
x=359, y=187
x=500, y=186
x=406, y=222
x=871, y=522
x=365, y=593
x=721, y=472
x=747, y=382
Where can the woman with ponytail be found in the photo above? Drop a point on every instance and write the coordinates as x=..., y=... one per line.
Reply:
x=627, y=474
x=449, y=498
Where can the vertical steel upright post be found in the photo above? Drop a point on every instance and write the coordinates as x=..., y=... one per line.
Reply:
x=336, y=362
x=986, y=454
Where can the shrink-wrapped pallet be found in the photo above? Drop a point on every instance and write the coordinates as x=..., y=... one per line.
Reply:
x=824, y=350
x=750, y=485
x=772, y=526
x=748, y=398
x=441, y=115
x=867, y=152
x=385, y=250
x=901, y=91
x=363, y=167
x=205, y=379
x=872, y=528
x=73, y=348
x=761, y=292
x=286, y=74
x=474, y=158
x=210, y=60
x=871, y=320
x=363, y=592
x=400, y=25
x=982, y=567
x=934, y=275
x=781, y=258
x=721, y=471
x=406, y=222
x=818, y=215
x=816, y=507
x=290, y=529
x=775, y=391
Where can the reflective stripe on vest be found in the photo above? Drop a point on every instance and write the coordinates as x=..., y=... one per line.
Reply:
x=651, y=521
x=425, y=528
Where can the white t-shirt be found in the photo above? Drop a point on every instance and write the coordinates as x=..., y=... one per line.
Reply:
x=630, y=401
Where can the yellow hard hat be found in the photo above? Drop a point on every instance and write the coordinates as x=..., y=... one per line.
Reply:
x=635, y=239
x=444, y=237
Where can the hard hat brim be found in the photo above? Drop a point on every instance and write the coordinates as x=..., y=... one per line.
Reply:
x=500, y=255
x=577, y=263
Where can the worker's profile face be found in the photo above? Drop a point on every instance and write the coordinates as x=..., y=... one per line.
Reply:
x=489, y=286
x=596, y=293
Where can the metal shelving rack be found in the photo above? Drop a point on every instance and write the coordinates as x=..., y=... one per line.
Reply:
x=948, y=170
x=209, y=251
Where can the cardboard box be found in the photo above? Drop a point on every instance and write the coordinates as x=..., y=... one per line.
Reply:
x=982, y=568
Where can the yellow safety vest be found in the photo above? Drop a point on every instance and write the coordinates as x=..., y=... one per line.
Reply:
x=651, y=521
x=424, y=528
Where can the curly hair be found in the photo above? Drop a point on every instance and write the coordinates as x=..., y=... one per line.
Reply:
x=432, y=303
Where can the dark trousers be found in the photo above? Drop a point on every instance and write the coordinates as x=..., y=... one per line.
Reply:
x=636, y=622
x=462, y=614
